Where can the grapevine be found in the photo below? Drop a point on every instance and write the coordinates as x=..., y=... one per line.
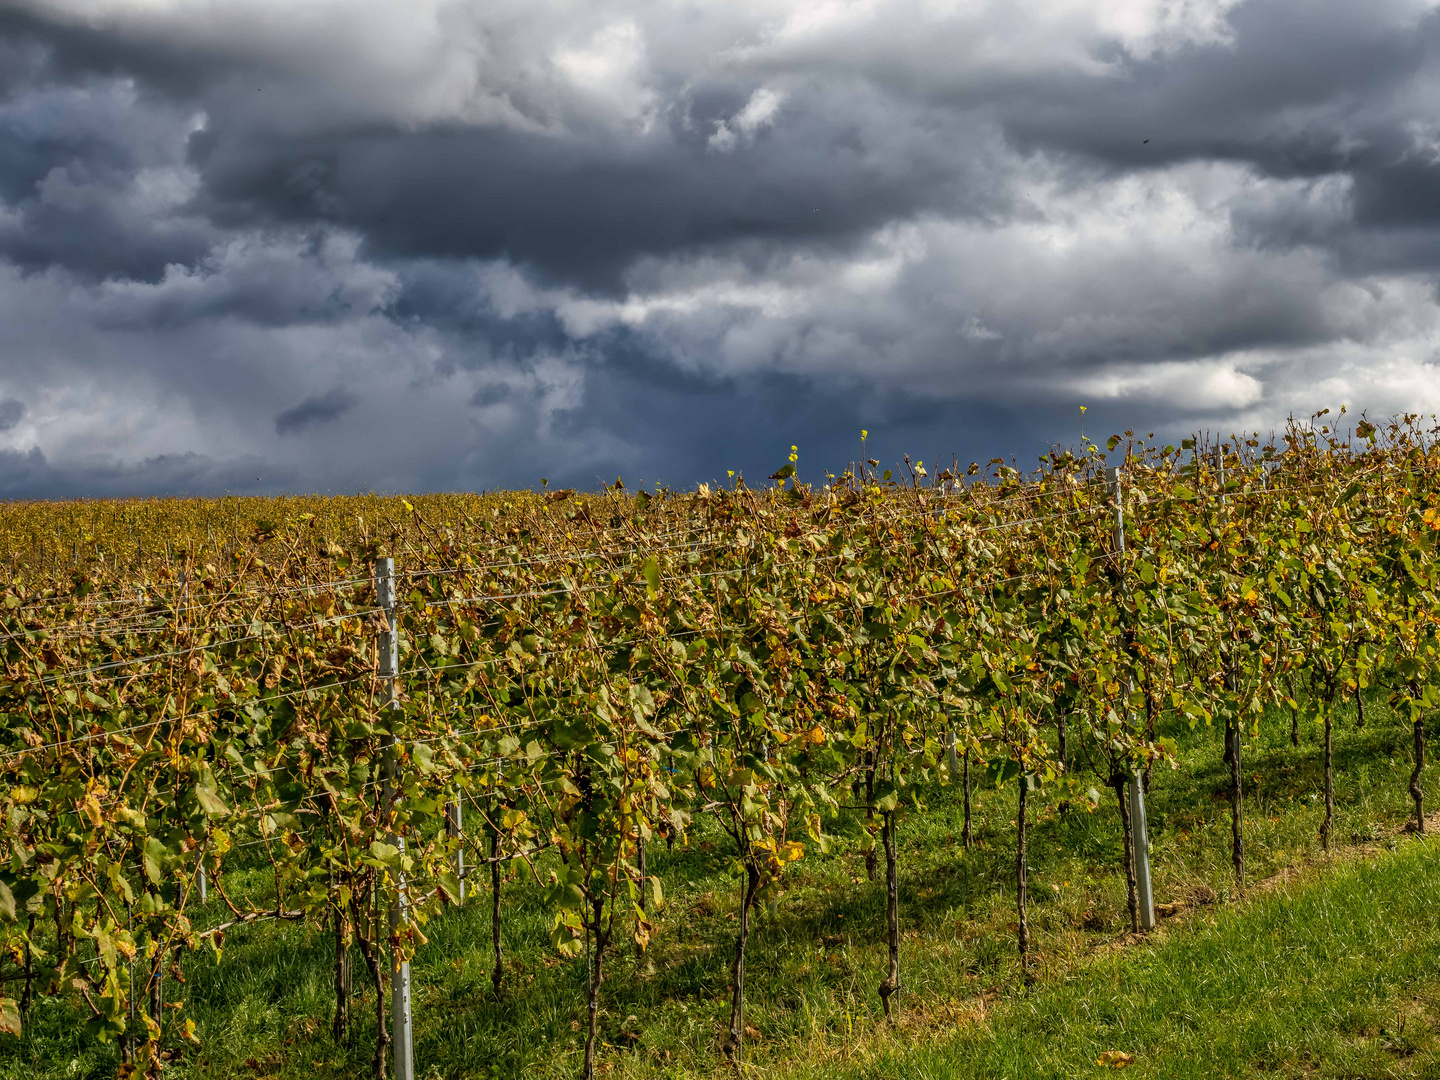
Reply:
x=586, y=675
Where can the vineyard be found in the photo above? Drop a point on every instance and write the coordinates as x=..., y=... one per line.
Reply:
x=384, y=709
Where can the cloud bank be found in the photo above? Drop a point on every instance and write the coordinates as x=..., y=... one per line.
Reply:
x=423, y=245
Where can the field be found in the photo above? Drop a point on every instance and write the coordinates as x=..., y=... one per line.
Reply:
x=866, y=750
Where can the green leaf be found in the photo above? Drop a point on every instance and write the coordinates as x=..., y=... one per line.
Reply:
x=887, y=798
x=130, y=816
x=9, y=1016
x=7, y=902
x=152, y=859
x=105, y=946
x=657, y=894
x=565, y=941
x=568, y=897
x=651, y=570
x=1112, y=442
x=450, y=885
x=1002, y=770
x=211, y=802
x=385, y=853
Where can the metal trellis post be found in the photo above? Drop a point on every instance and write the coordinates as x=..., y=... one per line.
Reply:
x=203, y=879
x=1139, y=834
x=1232, y=684
x=454, y=826
x=1220, y=471
x=389, y=669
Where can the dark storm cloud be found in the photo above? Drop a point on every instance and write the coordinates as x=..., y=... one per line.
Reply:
x=91, y=238
x=1335, y=91
x=1293, y=94
x=63, y=51
x=1398, y=194
x=584, y=211
x=1290, y=96
x=507, y=240
x=492, y=394
x=315, y=410
x=31, y=476
x=10, y=413
x=84, y=171
x=431, y=293
x=748, y=425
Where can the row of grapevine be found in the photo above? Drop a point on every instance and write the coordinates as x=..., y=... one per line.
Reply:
x=579, y=677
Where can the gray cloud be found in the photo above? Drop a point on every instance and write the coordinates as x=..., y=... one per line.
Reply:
x=583, y=210
x=315, y=410
x=30, y=475
x=94, y=181
x=473, y=245
x=10, y=413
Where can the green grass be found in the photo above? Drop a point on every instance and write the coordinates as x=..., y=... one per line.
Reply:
x=1335, y=976
x=1333, y=972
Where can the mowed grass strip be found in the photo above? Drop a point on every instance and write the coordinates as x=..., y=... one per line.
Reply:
x=1335, y=973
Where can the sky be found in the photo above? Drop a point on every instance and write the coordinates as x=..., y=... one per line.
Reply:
x=254, y=246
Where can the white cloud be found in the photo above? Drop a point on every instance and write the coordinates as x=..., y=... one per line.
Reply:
x=1204, y=386
x=1126, y=290
x=759, y=112
x=550, y=66
x=609, y=71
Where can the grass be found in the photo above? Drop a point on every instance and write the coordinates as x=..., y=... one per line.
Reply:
x=1331, y=973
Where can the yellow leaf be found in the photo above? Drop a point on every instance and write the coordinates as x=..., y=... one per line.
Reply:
x=1116, y=1059
x=90, y=807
